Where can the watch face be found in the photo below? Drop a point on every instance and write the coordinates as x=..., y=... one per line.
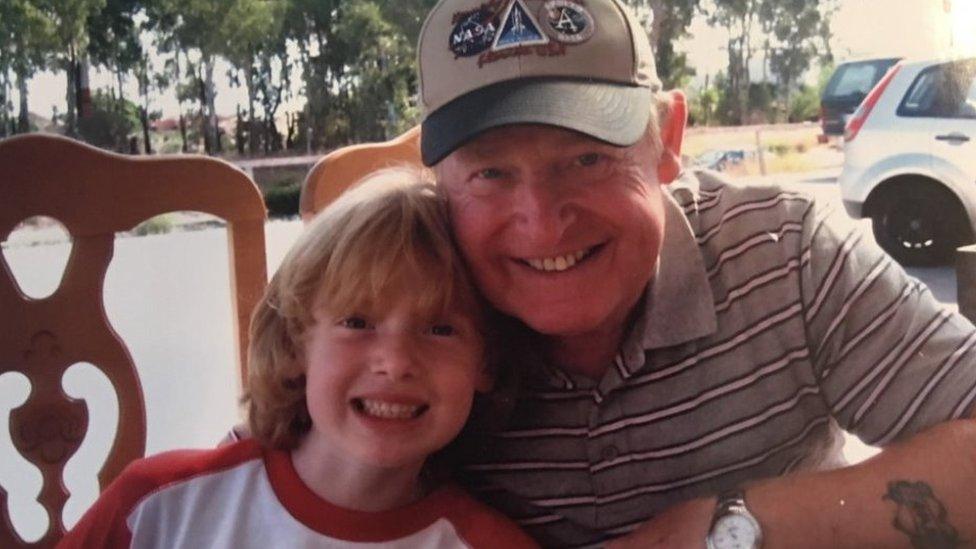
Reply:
x=734, y=531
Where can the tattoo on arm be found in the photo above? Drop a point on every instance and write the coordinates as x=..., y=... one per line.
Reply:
x=921, y=516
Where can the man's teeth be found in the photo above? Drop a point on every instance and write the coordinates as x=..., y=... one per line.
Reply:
x=558, y=263
x=389, y=410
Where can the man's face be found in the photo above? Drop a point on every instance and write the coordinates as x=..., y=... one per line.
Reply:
x=560, y=230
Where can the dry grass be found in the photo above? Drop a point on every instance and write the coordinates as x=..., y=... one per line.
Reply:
x=786, y=149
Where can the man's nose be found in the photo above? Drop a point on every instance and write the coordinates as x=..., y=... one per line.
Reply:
x=544, y=209
x=396, y=357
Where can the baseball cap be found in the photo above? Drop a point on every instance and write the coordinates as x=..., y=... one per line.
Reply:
x=583, y=65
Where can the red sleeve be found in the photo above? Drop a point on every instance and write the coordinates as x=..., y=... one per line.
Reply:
x=483, y=527
x=105, y=523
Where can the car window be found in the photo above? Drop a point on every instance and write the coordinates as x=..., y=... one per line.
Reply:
x=856, y=79
x=947, y=90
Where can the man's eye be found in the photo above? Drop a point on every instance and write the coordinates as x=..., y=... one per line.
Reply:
x=443, y=330
x=490, y=173
x=354, y=323
x=588, y=159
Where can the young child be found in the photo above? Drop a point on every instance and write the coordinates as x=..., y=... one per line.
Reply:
x=366, y=352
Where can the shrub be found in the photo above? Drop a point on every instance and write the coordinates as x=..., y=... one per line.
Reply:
x=282, y=200
x=160, y=224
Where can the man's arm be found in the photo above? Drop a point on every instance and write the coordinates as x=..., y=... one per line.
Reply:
x=918, y=493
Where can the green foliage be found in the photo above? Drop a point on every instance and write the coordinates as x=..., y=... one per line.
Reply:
x=779, y=149
x=670, y=20
x=704, y=103
x=355, y=62
x=161, y=224
x=282, y=200
x=110, y=122
x=805, y=105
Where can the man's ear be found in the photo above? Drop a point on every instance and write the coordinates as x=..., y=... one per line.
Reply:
x=672, y=135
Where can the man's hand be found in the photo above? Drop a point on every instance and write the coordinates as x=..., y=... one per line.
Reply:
x=683, y=526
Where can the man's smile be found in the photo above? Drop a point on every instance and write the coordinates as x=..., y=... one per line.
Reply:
x=562, y=262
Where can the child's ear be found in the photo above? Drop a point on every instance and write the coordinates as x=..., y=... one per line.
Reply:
x=486, y=378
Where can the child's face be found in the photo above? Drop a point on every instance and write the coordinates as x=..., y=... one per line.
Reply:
x=390, y=389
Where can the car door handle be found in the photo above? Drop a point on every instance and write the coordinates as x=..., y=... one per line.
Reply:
x=955, y=137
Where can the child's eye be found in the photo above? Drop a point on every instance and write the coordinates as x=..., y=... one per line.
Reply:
x=354, y=323
x=443, y=330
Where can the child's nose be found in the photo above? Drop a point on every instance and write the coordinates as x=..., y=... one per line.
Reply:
x=396, y=358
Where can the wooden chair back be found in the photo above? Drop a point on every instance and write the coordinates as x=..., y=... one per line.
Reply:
x=338, y=170
x=95, y=194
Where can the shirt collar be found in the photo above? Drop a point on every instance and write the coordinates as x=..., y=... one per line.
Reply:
x=678, y=304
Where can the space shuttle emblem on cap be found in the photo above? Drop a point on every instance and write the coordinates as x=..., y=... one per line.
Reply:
x=519, y=28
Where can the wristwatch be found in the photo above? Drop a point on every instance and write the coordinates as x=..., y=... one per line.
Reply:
x=733, y=526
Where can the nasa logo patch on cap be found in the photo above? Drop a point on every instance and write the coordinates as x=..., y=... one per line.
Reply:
x=475, y=32
x=567, y=21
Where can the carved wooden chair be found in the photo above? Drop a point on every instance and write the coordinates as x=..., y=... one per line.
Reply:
x=338, y=170
x=95, y=194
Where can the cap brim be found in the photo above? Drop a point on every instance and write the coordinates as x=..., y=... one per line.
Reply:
x=610, y=112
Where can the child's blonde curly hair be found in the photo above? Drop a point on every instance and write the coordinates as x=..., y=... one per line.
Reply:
x=385, y=239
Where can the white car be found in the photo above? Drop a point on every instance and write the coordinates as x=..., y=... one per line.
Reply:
x=910, y=160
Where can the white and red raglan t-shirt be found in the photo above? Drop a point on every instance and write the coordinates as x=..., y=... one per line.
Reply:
x=242, y=495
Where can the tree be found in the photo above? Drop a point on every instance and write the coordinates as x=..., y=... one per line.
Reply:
x=69, y=18
x=670, y=20
x=794, y=32
x=193, y=26
x=108, y=126
x=252, y=31
x=358, y=67
x=114, y=39
x=740, y=18
x=796, y=26
x=26, y=43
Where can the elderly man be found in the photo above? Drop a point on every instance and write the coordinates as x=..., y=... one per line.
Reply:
x=701, y=344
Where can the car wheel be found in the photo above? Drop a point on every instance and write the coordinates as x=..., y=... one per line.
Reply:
x=918, y=224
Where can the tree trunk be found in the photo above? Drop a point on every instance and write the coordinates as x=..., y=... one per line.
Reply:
x=5, y=114
x=204, y=119
x=144, y=120
x=240, y=135
x=252, y=134
x=120, y=80
x=84, y=102
x=210, y=94
x=185, y=147
x=71, y=98
x=23, y=118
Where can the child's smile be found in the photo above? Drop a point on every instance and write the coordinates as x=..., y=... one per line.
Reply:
x=389, y=388
x=384, y=409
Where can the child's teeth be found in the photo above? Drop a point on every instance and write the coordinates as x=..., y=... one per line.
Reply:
x=389, y=410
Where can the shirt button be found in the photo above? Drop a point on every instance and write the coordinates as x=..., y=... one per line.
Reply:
x=610, y=453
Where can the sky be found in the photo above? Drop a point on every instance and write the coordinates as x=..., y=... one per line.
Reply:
x=862, y=29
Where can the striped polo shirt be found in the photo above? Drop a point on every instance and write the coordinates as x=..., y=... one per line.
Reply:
x=772, y=324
